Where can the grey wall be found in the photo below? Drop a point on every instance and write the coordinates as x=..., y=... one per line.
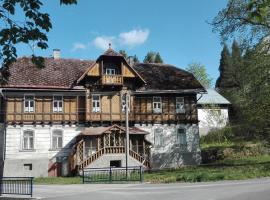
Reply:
x=172, y=154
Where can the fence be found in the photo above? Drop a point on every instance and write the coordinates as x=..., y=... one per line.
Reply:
x=16, y=185
x=112, y=174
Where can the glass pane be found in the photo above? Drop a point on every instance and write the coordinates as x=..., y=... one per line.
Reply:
x=96, y=97
x=25, y=143
x=59, y=98
x=54, y=143
x=31, y=141
x=55, y=104
x=60, y=142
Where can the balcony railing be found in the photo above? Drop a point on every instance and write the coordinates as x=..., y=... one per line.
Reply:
x=112, y=80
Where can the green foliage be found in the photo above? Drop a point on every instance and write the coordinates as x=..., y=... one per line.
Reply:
x=158, y=58
x=229, y=169
x=199, y=72
x=123, y=53
x=136, y=59
x=247, y=19
x=31, y=30
x=153, y=57
x=220, y=136
x=225, y=79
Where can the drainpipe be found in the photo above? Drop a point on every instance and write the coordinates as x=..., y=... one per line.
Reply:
x=4, y=133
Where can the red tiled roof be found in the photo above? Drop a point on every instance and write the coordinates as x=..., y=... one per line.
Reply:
x=58, y=73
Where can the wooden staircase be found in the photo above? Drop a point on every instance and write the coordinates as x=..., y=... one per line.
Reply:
x=78, y=163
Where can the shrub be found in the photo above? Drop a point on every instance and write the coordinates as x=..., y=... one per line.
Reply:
x=218, y=136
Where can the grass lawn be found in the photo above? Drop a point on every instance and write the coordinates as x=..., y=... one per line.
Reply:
x=227, y=169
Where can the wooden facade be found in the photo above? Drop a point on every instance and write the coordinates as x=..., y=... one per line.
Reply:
x=79, y=109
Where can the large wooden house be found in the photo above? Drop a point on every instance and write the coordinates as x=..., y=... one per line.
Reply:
x=70, y=115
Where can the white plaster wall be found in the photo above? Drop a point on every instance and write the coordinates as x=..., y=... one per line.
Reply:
x=172, y=154
x=208, y=121
x=42, y=153
x=104, y=161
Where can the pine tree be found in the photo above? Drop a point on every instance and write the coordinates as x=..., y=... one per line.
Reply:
x=237, y=64
x=150, y=57
x=136, y=59
x=123, y=52
x=158, y=58
x=225, y=79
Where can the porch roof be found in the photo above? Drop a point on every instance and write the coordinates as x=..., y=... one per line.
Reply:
x=100, y=130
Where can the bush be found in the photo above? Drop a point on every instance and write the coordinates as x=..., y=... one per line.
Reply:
x=218, y=136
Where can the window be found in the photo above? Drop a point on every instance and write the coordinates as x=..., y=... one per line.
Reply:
x=123, y=101
x=29, y=103
x=215, y=112
x=180, y=105
x=57, y=104
x=115, y=163
x=95, y=103
x=157, y=105
x=57, y=139
x=158, y=137
x=28, y=140
x=181, y=136
x=28, y=167
x=110, y=71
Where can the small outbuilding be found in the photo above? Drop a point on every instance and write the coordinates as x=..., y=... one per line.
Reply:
x=213, y=111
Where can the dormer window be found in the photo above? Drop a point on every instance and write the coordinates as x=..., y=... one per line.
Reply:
x=157, y=105
x=110, y=71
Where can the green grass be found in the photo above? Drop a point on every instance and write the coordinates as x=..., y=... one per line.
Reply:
x=253, y=167
x=58, y=180
x=227, y=169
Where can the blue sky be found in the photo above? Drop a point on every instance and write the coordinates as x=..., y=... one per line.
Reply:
x=175, y=28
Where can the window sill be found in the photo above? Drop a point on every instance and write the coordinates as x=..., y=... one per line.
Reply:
x=55, y=149
x=27, y=150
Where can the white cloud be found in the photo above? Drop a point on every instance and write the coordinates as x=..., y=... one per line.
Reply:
x=134, y=37
x=130, y=39
x=102, y=42
x=78, y=46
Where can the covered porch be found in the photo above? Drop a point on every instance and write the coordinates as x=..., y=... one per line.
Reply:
x=95, y=142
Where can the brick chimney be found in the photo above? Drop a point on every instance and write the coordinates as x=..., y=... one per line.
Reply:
x=56, y=53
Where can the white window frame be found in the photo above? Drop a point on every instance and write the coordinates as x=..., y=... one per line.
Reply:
x=158, y=138
x=156, y=103
x=180, y=105
x=57, y=139
x=96, y=103
x=28, y=148
x=110, y=71
x=58, y=108
x=182, y=137
x=28, y=108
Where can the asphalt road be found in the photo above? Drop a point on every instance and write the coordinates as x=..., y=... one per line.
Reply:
x=256, y=189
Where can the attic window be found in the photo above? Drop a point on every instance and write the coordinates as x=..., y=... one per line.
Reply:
x=110, y=71
x=157, y=105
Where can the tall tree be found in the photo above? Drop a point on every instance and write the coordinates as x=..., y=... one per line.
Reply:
x=31, y=30
x=249, y=19
x=123, y=52
x=152, y=57
x=158, y=58
x=237, y=64
x=225, y=69
x=199, y=72
x=136, y=59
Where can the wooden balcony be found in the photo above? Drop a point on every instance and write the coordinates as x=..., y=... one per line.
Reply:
x=112, y=80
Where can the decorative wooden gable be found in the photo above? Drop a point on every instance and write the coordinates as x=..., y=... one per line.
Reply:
x=95, y=70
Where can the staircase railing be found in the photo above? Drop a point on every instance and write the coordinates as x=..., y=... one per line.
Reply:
x=112, y=150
